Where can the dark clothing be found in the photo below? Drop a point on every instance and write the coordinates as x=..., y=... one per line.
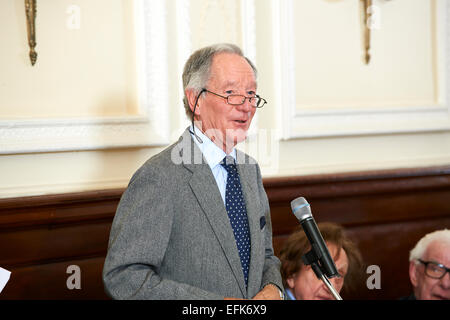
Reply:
x=410, y=297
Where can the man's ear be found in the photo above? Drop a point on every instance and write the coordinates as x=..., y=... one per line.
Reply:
x=191, y=96
x=413, y=273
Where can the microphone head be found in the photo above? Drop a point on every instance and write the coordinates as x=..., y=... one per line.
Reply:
x=301, y=208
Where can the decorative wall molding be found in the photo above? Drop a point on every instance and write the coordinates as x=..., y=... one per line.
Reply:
x=184, y=49
x=248, y=21
x=149, y=128
x=248, y=18
x=296, y=123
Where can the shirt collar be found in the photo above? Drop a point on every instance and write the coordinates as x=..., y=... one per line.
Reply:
x=289, y=294
x=212, y=153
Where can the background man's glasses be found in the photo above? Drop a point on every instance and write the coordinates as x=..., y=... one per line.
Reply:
x=237, y=99
x=434, y=270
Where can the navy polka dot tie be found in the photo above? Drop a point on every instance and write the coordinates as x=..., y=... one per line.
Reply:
x=237, y=213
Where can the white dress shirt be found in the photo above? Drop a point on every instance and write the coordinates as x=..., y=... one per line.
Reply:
x=214, y=156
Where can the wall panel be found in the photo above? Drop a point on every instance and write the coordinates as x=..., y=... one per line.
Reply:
x=385, y=212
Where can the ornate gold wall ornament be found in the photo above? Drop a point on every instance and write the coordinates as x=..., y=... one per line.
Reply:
x=366, y=7
x=30, y=10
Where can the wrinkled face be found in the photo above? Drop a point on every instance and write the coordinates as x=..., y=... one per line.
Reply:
x=306, y=286
x=223, y=123
x=425, y=287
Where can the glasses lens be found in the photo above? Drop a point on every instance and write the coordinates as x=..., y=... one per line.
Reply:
x=434, y=270
x=236, y=99
x=255, y=102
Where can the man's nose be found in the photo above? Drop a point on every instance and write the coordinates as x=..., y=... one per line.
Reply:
x=445, y=281
x=246, y=106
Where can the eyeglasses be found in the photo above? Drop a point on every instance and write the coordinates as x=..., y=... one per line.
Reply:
x=434, y=270
x=237, y=99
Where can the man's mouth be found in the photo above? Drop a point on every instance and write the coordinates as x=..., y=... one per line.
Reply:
x=437, y=296
x=240, y=121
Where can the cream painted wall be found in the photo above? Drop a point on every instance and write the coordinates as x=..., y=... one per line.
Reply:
x=329, y=55
x=104, y=45
x=85, y=65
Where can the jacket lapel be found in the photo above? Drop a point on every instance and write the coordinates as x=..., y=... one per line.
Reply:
x=205, y=189
x=247, y=175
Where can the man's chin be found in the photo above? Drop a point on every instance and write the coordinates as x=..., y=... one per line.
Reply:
x=236, y=136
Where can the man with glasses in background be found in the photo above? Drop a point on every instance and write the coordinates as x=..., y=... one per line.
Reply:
x=194, y=222
x=429, y=267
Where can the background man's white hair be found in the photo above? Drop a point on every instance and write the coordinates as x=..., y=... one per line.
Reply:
x=422, y=245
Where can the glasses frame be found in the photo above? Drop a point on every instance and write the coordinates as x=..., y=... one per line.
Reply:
x=192, y=119
x=440, y=265
x=239, y=95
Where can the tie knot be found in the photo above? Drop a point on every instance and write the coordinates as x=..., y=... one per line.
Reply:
x=229, y=164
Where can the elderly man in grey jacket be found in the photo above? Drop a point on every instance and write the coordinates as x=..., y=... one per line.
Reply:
x=194, y=221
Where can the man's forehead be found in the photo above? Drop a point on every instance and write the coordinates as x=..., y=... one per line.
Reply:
x=238, y=83
x=232, y=71
x=223, y=81
x=230, y=62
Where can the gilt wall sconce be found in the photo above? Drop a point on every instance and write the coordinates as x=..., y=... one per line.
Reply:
x=30, y=10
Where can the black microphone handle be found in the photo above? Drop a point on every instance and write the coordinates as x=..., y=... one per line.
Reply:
x=317, y=243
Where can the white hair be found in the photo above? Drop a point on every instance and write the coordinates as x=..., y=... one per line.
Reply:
x=422, y=246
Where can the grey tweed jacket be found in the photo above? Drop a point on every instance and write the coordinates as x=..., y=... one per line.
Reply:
x=171, y=237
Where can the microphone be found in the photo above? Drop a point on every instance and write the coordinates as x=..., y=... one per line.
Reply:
x=319, y=251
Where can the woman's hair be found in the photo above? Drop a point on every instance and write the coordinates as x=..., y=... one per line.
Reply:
x=297, y=245
x=197, y=69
